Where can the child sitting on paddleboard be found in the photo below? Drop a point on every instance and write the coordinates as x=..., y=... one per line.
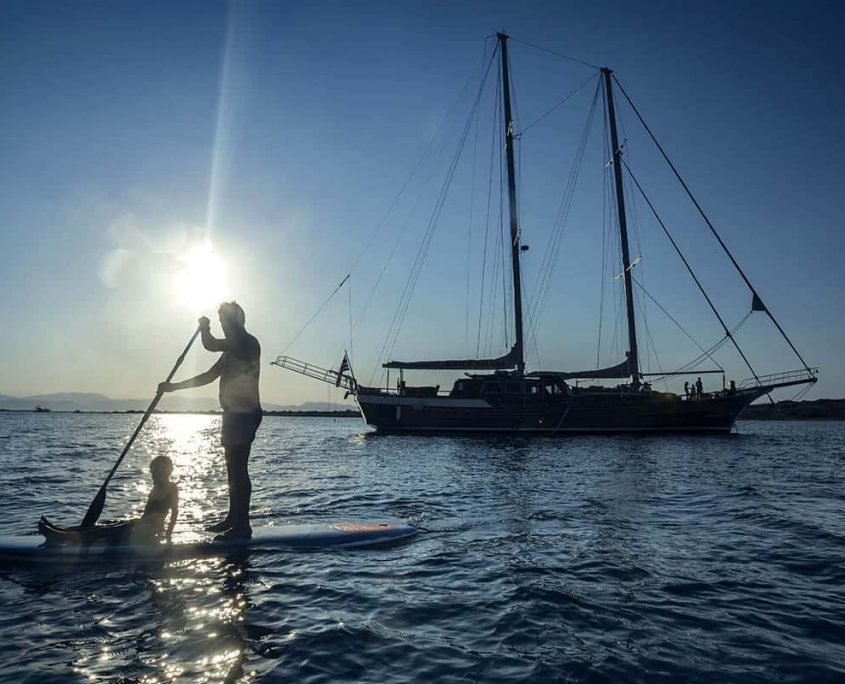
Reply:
x=148, y=529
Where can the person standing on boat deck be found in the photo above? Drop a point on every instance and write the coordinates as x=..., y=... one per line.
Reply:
x=238, y=369
x=699, y=387
x=686, y=390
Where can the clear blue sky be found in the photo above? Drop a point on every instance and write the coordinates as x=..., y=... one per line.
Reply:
x=285, y=130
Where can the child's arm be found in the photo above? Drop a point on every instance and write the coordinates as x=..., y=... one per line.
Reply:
x=174, y=513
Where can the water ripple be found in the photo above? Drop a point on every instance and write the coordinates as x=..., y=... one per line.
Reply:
x=589, y=559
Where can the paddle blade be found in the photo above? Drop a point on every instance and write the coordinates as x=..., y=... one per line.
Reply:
x=95, y=510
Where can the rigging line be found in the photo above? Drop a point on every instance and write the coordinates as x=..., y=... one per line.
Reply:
x=533, y=333
x=496, y=245
x=393, y=203
x=349, y=292
x=493, y=296
x=410, y=285
x=550, y=259
x=393, y=249
x=698, y=359
x=550, y=110
x=604, y=238
x=427, y=149
x=317, y=313
x=491, y=306
x=469, y=231
x=640, y=303
x=543, y=283
x=441, y=199
x=689, y=269
x=493, y=148
x=502, y=253
x=671, y=318
x=603, y=256
x=556, y=54
x=708, y=353
x=651, y=346
x=711, y=226
x=801, y=393
x=497, y=260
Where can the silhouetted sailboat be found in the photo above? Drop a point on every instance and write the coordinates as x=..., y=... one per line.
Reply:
x=500, y=395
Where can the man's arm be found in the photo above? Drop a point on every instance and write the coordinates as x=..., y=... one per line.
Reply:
x=210, y=342
x=213, y=344
x=198, y=381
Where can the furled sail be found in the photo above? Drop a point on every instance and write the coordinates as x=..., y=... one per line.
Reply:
x=509, y=360
x=620, y=370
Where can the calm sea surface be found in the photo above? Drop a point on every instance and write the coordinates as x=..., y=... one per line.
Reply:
x=548, y=560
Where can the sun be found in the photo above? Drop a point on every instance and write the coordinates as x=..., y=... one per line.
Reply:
x=201, y=281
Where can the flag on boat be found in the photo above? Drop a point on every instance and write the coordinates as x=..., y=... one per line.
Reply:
x=344, y=366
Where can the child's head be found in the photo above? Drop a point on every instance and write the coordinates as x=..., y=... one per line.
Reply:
x=161, y=468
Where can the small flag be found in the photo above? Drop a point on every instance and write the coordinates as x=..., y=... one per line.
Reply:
x=344, y=366
x=757, y=303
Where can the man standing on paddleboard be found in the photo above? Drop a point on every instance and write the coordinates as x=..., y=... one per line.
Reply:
x=238, y=369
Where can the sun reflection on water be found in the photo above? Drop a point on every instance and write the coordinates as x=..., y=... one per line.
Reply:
x=195, y=608
x=198, y=608
x=198, y=605
x=192, y=441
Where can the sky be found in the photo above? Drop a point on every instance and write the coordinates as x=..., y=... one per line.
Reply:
x=159, y=157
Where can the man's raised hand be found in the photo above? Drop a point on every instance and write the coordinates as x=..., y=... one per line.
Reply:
x=205, y=324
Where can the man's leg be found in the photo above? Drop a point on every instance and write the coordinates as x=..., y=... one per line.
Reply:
x=226, y=523
x=240, y=489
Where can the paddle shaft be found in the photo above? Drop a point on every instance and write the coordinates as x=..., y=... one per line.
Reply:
x=100, y=498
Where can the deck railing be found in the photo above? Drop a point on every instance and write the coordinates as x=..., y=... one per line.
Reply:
x=793, y=377
x=327, y=375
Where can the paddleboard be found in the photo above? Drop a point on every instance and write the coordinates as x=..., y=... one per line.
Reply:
x=335, y=535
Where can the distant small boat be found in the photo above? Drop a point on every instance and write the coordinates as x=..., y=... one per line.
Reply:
x=41, y=409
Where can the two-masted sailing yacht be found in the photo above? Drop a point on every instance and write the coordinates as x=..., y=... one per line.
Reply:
x=500, y=395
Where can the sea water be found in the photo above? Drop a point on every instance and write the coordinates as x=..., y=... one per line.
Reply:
x=568, y=559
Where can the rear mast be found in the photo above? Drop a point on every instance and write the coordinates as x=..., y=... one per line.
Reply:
x=633, y=358
x=514, y=222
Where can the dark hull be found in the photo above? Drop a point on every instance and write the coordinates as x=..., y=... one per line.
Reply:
x=587, y=412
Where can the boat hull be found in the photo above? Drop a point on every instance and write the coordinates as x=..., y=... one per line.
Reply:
x=601, y=412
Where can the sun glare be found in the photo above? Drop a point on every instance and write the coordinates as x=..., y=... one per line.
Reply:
x=201, y=282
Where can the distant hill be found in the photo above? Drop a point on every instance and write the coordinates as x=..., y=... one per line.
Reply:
x=89, y=401
x=818, y=409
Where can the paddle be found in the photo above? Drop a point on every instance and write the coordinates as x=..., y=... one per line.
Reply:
x=96, y=507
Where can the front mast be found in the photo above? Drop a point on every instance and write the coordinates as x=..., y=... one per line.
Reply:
x=633, y=358
x=515, y=248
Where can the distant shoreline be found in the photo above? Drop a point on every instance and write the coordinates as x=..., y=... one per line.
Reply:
x=816, y=409
x=294, y=414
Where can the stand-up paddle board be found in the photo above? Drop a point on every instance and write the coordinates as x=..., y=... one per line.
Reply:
x=337, y=535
